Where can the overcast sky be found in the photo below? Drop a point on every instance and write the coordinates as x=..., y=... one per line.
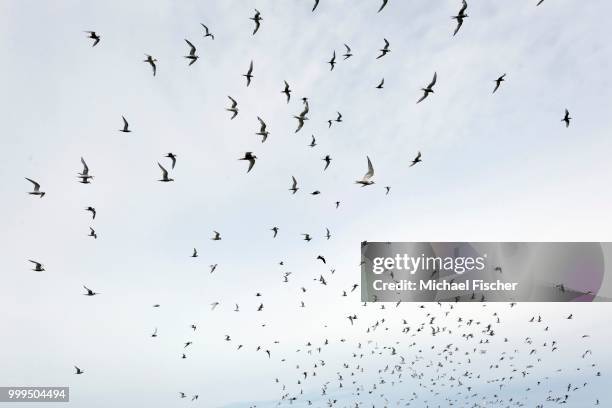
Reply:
x=499, y=167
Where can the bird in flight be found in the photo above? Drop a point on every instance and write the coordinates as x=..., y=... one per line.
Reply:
x=152, y=62
x=262, y=130
x=294, y=186
x=460, y=16
x=92, y=211
x=192, y=53
x=195, y=253
x=84, y=175
x=315, y=5
x=154, y=333
x=78, y=370
x=380, y=85
x=313, y=143
x=275, y=230
x=257, y=19
x=498, y=82
x=565, y=119
x=89, y=292
x=382, y=6
x=251, y=159
x=428, y=89
x=327, y=234
x=164, y=178
x=38, y=267
x=92, y=233
x=384, y=50
x=233, y=108
x=126, y=126
x=216, y=237
x=332, y=61
x=307, y=237
x=93, y=36
x=301, y=118
x=327, y=159
x=172, y=157
x=208, y=33
x=348, y=53
x=388, y=189
x=249, y=73
x=416, y=160
x=365, y=181
x=287, y=91
x=36, y=191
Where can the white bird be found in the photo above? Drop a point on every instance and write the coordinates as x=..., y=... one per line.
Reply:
x=365, y=181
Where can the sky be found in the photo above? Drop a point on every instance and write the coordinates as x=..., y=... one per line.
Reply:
x=496, y=167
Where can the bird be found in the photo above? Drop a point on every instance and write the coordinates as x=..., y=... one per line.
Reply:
x=233, y=108
x=498, y=82
x=78, y=370
x=339, y=118
x=84, y=174
x=249, y=73
x=257, y=19
x=294, y=186
x=213, y=267
x=307, y=237
x=172, y=157
x=195, y=253
x=322, y=259
x=313, y=143
x=365, y=181
x=315, y=5
x=154, y=333
x=164, y=178
x=275, y=230
x=348, y=53
x=208, y=33
x=92, y=211
x=262, y=130
x=416, y=160
x=428, y=89
x=387, y=188
x=384, y=50
x=565, y=119
x=38, y=267
x=382, y=6
x=36, y=190
x=287, y=91
x=152, y=62
x=192, y=53
x=126, y=125
x=216, y=237
x=332, y=61
x=327, y=233
x=251, y=159
x=327, y=159
x=301, y=118
x=92, y=233
x=94, y=36
x=380, y=85
x=460, y=16
x=89, y=292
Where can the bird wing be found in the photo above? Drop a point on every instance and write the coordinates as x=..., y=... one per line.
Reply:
x=85, y=168
x=382, y=6
x=386, y=43
x=193, y=48
x=36, y=185
x=263, y=124
x=294, y=182
x=164, y=171
x=251, y=164
x=463, y=8
x=234, y=103
x=348, y=49
x=250, y=68
x=422, y=97
x=370, y=172
x=433, y=81
x=315, y=5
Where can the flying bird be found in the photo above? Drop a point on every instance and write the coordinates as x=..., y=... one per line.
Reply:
x=294, y=186
x=36, y=191
x=388, y=189
x=78, y=370
x=257, y=19
x=192, y=53
x=212, y=268
x=429, y=88
x=92, y=211
x=262, y=130
x=152, y=62
x=126, y=126
x=327, y=233
x=301, y=118
x=233, y=108
x=84, y=174
x=93, y=36
x=460, y=16
x=275, y=230
x=313, y=143
x=348, y=53
x=416, y=160
x=382, y=6
x=287, y=91
x=327, y=159
x=380, y=85
x=249, y=73
x=498, y=82
x=332, y=61
x=251, y=159
x=321, y=258
x=89, y=292
x=172, y=157
x=216, y=237
x=384, y=50
x=164, y=178
x=92, y=233
x=365, y=181
x=208, y=33
x=565, y=119
x=195, y=253
x=38, y=267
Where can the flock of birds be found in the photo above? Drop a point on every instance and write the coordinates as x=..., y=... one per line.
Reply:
x=455, y=370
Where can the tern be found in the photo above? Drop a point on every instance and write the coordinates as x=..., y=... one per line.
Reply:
x=365, y=181
x=460, y=16
x=125, y=126
x=38, y=267
x=36, y=191
x=152, y=62
x=250, y=157
x=294, y=186
x=384, y=50
x=192, y=53
x=93, y=36
x=233, y=108
x=249, y=73
x=429, y=88
x=257, y=19
x=416, y=160
x=498, y=82
x=208, y=33
x=287, y=91
x=262, y=130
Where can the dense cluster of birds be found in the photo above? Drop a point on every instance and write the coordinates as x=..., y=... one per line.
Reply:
x=459, y=367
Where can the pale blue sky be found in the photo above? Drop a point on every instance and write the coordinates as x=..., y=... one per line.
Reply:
x=495, y=168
